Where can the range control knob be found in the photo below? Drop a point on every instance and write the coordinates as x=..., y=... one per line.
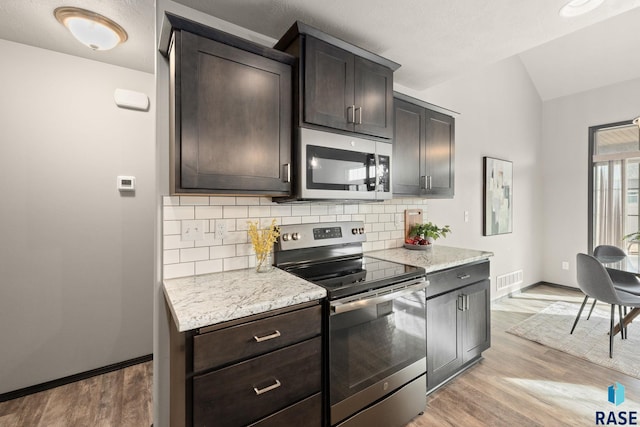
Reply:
x=295, y=236
x=361, y=230
x=285, y=237
x=354, y=231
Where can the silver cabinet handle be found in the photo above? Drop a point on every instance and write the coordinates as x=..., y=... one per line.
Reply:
x=464, y=276
x=353, y=114
x=423, y=182
x=287, y=172
x=429, y=182
x=460, y=302
x=276, y=334
x=266, y=389
x=359, y=110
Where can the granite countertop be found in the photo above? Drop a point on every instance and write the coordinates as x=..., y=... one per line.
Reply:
x=435, y=258
x=199, y=301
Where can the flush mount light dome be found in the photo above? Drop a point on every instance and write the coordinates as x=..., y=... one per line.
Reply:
x=579, y=7
x=91, y=29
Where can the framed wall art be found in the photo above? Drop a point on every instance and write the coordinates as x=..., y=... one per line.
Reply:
x=498, y=196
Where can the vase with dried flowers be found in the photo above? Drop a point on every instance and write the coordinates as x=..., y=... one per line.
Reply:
x=263, y=240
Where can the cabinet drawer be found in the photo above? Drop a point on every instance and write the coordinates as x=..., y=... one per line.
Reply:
x=457, y=277
x=250, y=339
x=305, y=413
x=248, y=391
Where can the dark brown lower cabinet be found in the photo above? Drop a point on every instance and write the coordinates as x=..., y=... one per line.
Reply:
x=264, y=370
x=458, y=320
x=250, y=390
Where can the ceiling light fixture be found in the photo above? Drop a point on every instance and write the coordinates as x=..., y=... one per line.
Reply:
x=636, y=121
x=91, y=29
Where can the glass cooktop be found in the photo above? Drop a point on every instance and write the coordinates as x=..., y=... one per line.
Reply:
x=344, y=277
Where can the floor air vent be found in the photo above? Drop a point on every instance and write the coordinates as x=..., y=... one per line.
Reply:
x=509, y=279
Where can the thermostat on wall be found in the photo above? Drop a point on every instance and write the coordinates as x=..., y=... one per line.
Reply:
x=126, y=183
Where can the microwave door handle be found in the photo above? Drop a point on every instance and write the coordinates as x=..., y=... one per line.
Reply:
x=371, y=180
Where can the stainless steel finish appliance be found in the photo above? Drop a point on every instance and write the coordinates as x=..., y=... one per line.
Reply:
x=375, y=323
x=331, y=166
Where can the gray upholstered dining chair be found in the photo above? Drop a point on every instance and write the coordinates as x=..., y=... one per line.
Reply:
x=595, y=282
x=622, y=281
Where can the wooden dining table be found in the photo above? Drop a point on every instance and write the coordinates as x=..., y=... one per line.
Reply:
x=619, y=269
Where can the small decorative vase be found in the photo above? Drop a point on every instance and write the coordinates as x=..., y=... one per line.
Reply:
x=263, y=262
x=431, y=240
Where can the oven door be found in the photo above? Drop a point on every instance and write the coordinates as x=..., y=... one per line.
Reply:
x=377, y=344
x=335, y=166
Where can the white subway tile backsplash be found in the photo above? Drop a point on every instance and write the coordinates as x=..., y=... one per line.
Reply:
x=210, y=266
x=259, y=211
x=194, y=254
x=174, y=241
x=247, y=201
x=235, y=212
x=300, y=210
x=171, y=227
x=224, y=251
x=208, y=212
x=351, y=209
x=286, y=220
x=194, y=200
x=222, y=201
x=170, y=213
x=383, y=224
x=235, y=263
x=171, y=256
x=319, y=209
x=171, y=271
x=234, y=237
x=171, y=201
x=280, y=211
x=310, y=219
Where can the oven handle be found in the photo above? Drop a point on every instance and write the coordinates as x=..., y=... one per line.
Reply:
x=338, y=307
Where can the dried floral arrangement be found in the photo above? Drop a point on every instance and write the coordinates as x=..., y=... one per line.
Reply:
x=263, y=240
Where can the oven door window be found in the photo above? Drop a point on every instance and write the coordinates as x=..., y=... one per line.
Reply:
x=334, y=169
x=371, y=343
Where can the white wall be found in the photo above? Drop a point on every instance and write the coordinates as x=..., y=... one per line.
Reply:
x=75, y=256
x=500, y=116
x=564, y=166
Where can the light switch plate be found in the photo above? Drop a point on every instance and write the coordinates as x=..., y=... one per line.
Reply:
x=192, y=229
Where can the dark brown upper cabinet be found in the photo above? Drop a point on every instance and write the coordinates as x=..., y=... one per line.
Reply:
x=339, y=85
x=423, y=149
x=231, y=107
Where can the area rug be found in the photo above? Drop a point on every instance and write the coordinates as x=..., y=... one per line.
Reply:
x=590, y=340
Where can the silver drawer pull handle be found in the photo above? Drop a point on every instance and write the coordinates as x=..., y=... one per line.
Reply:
x=276, y=334
x=464, y=276
x=266, y=389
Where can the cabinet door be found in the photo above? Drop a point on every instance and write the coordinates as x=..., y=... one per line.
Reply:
x=408, y=150
x=439, y=151
x=444, y=352
x=233, y=110
x=476, y=322
x=328, y=85
x=373, y=98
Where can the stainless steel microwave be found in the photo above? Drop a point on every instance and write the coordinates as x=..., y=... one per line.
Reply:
x=330, y=166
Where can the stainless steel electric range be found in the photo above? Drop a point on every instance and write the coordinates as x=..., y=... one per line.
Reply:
x=375, y=323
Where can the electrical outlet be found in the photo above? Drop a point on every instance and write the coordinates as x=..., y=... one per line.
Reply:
x=221, y=230
x=192, y=229
x=565, y=265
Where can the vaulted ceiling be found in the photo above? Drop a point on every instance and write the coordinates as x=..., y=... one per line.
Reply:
x=434, y=40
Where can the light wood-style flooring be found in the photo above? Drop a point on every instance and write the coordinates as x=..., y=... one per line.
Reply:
x=117, y=399
x=517, y=383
